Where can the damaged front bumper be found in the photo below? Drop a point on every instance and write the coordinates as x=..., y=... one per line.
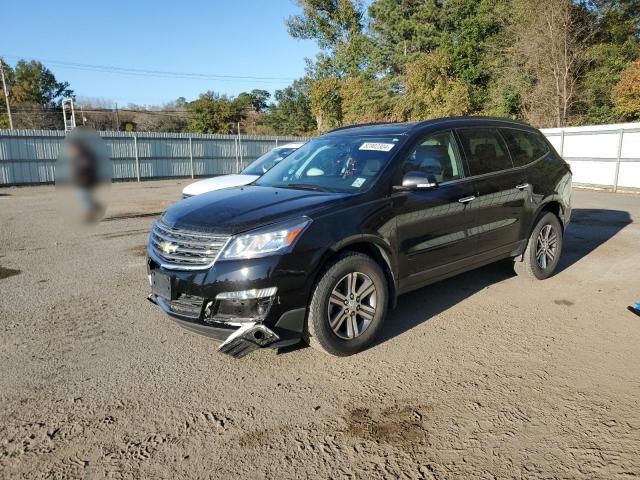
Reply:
x=243, y=304
x=238, y=339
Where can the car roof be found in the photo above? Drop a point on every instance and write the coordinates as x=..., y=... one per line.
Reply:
x=411, y=127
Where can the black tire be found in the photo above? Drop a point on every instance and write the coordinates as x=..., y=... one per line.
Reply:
x=336, y=276
x=531, y=264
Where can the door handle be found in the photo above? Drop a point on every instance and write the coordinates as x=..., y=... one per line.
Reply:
x=522, y=186
x=467, y=199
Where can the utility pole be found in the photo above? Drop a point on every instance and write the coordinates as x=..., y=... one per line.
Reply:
x=6, y=94
x=117, y=125
x=68, y=114
x=239, y=167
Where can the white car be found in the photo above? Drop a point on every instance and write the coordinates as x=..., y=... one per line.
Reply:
x=246, y=176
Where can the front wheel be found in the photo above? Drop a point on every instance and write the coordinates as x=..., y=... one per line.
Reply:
x=542, y=254
x=348, y=305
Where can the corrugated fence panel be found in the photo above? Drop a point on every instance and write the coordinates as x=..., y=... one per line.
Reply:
x=598, y=154
x=29, y=156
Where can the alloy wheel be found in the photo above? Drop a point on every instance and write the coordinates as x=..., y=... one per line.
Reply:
x=546, y=246
x=352, y=305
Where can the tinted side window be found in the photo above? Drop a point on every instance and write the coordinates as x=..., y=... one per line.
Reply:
x=437, y=155
x=485, y=150
x=525, y=147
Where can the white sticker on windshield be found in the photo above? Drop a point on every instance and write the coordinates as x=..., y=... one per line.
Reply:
x=378, y=147
x=358, y=182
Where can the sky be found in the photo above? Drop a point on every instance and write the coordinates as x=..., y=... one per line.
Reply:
x=245, y=38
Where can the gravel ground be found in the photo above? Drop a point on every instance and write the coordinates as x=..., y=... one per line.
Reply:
x=486, y=375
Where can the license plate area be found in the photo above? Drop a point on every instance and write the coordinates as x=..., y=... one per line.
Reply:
x=162, y=286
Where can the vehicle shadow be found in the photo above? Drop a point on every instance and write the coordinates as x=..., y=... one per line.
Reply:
x=422, y=305
x=589, y=228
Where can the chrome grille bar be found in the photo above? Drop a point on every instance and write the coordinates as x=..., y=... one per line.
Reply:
x=184, y=249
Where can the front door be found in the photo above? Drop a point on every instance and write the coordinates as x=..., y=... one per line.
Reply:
x=432, y=225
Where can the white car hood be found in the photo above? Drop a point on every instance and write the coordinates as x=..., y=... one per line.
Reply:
x=217, y=183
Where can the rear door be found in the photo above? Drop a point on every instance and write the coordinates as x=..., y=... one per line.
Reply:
x=526, y=149
x=432, y=224
x=499, y=207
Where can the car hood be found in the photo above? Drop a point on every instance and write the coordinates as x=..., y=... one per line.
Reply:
x=216, y=183
x=239, y=209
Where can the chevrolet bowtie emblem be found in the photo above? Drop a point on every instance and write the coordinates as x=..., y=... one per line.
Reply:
x=168, y=247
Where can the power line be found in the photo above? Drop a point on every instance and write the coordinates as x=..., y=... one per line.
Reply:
x=26, y=110
x=157, y=73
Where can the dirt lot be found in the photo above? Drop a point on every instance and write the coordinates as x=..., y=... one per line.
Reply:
x=485, y=375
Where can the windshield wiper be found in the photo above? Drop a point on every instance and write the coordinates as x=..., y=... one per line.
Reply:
x=306, y=186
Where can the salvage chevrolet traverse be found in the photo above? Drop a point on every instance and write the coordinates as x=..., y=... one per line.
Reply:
x=320, y=247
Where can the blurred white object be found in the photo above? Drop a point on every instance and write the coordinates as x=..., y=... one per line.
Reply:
x=246, y=176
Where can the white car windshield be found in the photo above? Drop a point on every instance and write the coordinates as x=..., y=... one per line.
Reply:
x=341, y=163
x=267, y=161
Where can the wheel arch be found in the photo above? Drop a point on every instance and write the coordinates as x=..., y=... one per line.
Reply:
x=553, y=206
x=375, y=248
x=550, y=206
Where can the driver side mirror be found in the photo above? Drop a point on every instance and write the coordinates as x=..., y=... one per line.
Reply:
x=417, y=181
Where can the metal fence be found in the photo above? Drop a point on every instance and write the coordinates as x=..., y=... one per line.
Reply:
x=604, y=155
x=29, y=156
x=600, y=155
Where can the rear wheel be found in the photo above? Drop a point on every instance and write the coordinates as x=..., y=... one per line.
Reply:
x=348, y=305
x=542, y=254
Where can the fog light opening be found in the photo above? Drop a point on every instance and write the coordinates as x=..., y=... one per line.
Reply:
x=242, y=306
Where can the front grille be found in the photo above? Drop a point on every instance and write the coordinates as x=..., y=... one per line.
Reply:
x=186, y=305
x=185, y=249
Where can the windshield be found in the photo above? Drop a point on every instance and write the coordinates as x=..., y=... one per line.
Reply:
x=343, y=163
x=267, y=161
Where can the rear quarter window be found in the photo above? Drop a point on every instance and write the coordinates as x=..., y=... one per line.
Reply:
x=525, y=147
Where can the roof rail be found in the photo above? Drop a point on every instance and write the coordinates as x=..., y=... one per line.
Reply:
x=355, y=125
x=475, y=117
x=433, y=120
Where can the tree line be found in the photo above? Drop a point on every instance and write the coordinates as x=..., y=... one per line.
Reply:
x=549, y=62
x=35, y=97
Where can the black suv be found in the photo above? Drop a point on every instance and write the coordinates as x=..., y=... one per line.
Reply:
x=321, y=245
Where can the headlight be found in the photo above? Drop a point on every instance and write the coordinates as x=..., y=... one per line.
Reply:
x=267, y=241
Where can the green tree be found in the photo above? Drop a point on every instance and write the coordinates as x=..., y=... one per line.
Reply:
x=431, y=90
x=616, y=29
x=36, y=84
x=291, y=114
x=212, y=113
x=403, y=30
x=257, y=100
x=369, y=99
x=627, y=92
x=326, y=103
x=338, y=28
x=9, y=78
x=607, y=61
x=35, y=96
